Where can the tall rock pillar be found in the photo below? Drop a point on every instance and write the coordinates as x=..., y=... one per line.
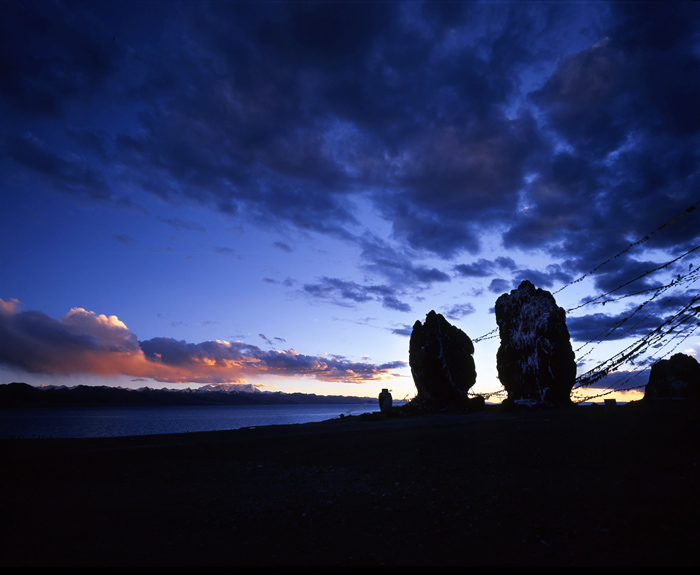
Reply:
x=535, y=361
x=440, y=356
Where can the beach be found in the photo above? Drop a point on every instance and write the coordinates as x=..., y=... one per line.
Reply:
x=576, y=486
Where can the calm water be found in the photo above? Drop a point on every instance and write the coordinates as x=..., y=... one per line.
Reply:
x=118, y=421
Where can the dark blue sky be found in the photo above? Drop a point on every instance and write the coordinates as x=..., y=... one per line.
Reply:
x=276, y=191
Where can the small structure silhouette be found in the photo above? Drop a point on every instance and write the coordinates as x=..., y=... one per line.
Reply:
x=385, y=401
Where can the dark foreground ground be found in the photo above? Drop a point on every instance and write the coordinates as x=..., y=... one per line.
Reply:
x=571, y=487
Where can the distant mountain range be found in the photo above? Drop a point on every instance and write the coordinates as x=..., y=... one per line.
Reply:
x=25, y=395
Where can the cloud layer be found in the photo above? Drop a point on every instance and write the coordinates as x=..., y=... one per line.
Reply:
x=83, y=342
x=450, y=120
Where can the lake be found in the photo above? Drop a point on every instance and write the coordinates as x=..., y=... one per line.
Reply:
x=120, y=421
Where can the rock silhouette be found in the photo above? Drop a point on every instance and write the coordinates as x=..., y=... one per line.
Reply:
x=535, y=361
x=674, y=378
x=440, y=356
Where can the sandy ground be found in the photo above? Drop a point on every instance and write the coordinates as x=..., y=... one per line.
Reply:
x=582, y=486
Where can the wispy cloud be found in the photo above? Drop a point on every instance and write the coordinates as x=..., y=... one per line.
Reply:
x=348, y=293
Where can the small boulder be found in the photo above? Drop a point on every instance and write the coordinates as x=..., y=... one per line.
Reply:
x=535, y=361
x=440, y=356
x=674, y=378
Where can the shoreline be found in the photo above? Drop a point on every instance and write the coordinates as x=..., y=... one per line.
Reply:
x=581, y=486
x=126, y=421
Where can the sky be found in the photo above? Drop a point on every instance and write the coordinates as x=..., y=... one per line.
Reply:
x=273, y=193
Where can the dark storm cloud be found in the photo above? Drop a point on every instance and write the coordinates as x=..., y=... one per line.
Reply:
x=340, y=106
x=635, y=321
x=623, y=272
x=49, y=54
x=458, y=178
x=625, y=109
x=233, y=138
x=66, y=172
x=595, y=327
x=568, y=129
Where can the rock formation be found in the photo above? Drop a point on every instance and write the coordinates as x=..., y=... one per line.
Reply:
x=440, y=356
x=674, y=378
x=535, y=361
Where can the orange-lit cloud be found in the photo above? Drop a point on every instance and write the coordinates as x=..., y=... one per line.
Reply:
x=83, y=342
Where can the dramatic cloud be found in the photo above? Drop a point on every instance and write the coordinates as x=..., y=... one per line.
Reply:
x=83, y=342
x=622, y=110
x=431, y=114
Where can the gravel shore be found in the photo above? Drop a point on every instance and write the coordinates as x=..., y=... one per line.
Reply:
x=579, y=486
